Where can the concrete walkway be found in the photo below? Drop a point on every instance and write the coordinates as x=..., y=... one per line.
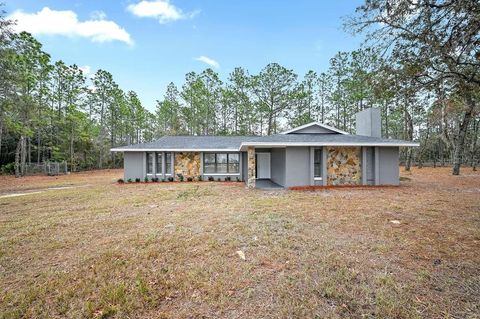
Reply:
x=30, y=192
x=266, y=184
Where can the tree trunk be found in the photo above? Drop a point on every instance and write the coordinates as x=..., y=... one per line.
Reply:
x=476, y=125
x=459, y=140
x=72, y=169
x=29, y=153
x=23, y=156
x=386, y=120
x=17, y=157
x=112, y=144
x=409, y=133
x=38, y=147
x=408, y=161
x=270, y=120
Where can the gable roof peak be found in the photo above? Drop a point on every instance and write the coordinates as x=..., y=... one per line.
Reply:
x=318, y=124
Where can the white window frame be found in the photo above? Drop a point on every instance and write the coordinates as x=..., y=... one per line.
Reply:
x=318, y=178
x=169, y=173
x=153, y=163
x=228, y=157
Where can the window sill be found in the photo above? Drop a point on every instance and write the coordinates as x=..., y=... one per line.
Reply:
x=318, y=178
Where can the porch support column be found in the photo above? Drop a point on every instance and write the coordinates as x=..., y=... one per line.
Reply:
x=364, y=165
x=251, y=167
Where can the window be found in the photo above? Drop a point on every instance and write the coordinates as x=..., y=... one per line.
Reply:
x=209, y=163
x=149, y=163
x=317, y=163
x=158, y=163
x=168, y=163
x=233, y=163
x=221, y=163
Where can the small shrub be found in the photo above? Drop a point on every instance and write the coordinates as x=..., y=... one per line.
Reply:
x=180, y=177
x=120, y=181
x=155, y=179
x=170, y=179
x=145, y=179
x=199, y=178
x=228, y=179
x=129, y=180
x=189, y=179
x=137, y=180
x=8, y=169
x=238, y=179
x=210, y=178
x=219, y=179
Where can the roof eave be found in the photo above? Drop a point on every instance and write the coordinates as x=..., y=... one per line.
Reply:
x=244, y=146
x=174, y=150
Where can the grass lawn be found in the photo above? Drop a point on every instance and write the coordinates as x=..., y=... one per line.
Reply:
x=100, y=249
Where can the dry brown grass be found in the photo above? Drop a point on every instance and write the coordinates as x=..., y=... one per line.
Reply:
x=169, y=250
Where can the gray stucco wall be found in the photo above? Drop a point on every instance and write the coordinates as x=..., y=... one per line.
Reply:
x=244, y=165
x=297, y=166
x=278, y=166
x=133, y=163
x=388, y=171
x=291, y=166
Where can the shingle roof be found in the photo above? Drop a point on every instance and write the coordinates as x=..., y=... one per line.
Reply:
x=193, y=142
x=235, y=143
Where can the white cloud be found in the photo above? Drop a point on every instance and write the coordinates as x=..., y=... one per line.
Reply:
x=208, y=61
x=86, y=69
x=66, y=23
x=162, y=10
x=98, y=15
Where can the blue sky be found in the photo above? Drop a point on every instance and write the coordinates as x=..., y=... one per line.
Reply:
x=147, y=44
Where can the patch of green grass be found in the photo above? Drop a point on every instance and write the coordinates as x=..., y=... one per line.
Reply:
x=194, y=192
x=424, y=275
x=188, y=193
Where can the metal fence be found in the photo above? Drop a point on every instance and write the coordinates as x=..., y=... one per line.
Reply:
x=47, y=168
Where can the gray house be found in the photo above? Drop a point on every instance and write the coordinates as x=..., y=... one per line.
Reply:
x=312, y=154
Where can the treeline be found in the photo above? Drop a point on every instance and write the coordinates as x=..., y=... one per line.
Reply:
x=50, y=111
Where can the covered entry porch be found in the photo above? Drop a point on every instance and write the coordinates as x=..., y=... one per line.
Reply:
x=266, y=168
x=293, y=166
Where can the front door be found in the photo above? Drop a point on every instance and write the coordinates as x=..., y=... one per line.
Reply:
x=263, y=165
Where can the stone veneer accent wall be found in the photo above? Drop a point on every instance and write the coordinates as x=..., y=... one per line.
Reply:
x=251, y=167
x=344, y=166
x=187, y=164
